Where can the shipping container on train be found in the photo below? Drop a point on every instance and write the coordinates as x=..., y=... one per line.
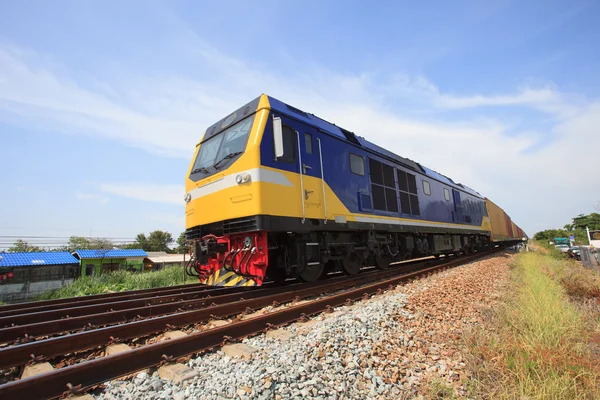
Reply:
x=274, y=192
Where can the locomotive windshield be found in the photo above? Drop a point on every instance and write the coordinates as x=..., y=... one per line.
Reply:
x=218, y=150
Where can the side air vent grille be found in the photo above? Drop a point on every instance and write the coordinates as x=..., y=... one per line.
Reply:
x=365, y=202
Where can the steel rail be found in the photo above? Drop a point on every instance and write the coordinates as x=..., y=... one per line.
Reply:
x=80, y=319
x=126, y=296
x=87, y=322
x=46, y=305
x=84, y=375
x=54, y=315
x=102, y=318
x=4, y=310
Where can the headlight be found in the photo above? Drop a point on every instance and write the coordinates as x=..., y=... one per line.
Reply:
x=187, y=198
x=242, y=178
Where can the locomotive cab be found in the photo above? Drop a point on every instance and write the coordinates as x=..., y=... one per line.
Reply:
x=222, y=190
x=252, y=174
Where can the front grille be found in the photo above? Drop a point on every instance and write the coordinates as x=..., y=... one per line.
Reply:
x=193, y=233
x=237, y=225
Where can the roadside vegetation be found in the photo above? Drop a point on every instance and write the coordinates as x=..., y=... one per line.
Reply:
x=576, y=228
x=119, y=281
x=544, y=342
x=578, y=281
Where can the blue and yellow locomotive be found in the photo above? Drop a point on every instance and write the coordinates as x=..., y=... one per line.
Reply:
x=274, y=192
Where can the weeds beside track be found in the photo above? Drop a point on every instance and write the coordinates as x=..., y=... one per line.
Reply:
x=546, y=335
x=119, y=281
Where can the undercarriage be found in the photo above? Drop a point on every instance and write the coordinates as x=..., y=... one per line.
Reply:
x=250, y=258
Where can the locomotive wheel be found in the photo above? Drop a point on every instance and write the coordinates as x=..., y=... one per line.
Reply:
x=383, y=262
x=352, y=263
x=312, y=272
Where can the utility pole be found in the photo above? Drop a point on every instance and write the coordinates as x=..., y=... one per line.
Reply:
x=184, y=274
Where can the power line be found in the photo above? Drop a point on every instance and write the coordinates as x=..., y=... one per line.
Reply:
x=63, y=237
x=57, y=244
x=51, y=240
x=62, y=240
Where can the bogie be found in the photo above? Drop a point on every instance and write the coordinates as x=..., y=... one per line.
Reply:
x=312, y=256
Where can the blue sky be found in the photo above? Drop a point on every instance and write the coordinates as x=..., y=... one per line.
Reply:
x=101, y=103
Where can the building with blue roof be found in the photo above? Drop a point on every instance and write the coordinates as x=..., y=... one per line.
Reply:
x=111, y=253
x=95, y=262
x=29, y=274
x=37, y=259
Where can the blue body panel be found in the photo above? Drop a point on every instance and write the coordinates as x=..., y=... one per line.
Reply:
x=465, y=206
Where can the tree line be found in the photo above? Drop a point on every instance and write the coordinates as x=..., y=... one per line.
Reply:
x=577, y=228
x=155, y=241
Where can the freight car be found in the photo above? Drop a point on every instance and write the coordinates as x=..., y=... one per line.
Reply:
x=274, y=192
x=503, y=229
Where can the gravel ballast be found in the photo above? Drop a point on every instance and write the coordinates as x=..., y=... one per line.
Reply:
x=389, y=346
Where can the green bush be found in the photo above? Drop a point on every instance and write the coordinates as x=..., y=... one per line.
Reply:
x=557, y=254
x=119, y=281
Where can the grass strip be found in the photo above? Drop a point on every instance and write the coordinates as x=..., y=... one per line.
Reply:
x=119, y=281
x=544, y=344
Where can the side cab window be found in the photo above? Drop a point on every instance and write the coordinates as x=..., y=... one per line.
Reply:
x=357, y=164
x=289, y=145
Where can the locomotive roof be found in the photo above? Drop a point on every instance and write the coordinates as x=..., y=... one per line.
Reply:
x=360, y=141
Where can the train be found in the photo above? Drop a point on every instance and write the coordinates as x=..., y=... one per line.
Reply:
x=273, y=192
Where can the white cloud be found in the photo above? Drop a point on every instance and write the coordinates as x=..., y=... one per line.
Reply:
x=93, y=197
x=526, y=96
x=38, y=93
x=419, y=91
x=540, y=189
x=169, y=194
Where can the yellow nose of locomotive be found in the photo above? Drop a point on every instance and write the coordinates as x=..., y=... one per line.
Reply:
x=222, y=190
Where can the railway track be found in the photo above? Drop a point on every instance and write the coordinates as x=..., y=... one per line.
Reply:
x=323, y=295
x=43, y=305
x=73, y=317
x=87, y=303
x=222, y=306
